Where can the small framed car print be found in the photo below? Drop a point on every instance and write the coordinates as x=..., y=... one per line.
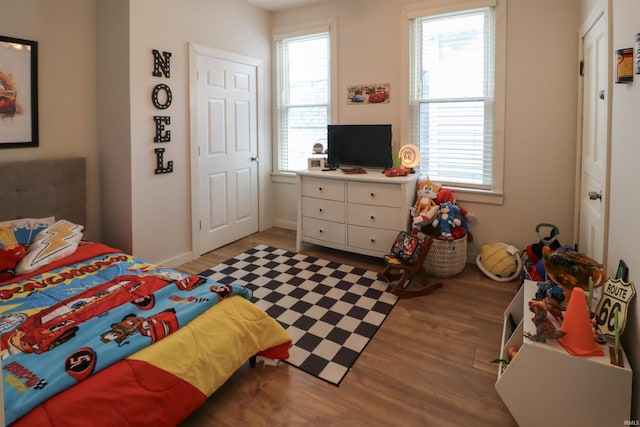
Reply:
x=316, y=163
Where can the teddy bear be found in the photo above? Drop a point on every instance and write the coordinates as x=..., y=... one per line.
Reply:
x=425, y=209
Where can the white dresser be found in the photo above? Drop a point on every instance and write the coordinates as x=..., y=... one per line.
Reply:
x=360, y=213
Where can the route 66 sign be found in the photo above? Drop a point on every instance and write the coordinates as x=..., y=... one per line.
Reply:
x=616, y=295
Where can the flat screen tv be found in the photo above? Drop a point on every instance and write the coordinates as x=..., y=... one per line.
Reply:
x=359, y=145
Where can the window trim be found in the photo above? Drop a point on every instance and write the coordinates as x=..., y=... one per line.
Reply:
x=496, y=194
x=321, y=26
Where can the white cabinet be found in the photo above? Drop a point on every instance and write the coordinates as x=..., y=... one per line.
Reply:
x=545, y=385
x=360, y=213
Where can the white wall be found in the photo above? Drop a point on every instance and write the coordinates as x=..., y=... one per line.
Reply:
x=159, y=206
x=66, y=85
x=114, y=125
x=541, y=97
x=624, y=240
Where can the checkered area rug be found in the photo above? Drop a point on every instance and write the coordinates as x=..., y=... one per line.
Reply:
x=330, y=310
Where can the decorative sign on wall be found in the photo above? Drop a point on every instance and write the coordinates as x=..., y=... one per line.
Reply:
x=613, y=307
x=368, y=93
x=161, y=97
x=624, y=65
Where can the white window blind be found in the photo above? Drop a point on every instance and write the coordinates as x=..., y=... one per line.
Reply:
x=452, y=85
x=303, y=96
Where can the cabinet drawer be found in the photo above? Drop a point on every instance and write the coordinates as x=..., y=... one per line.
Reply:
x=323, y=230
x=323, y=188
x=370, y=193
x=330, y=210
x=373, y=239
x=378, y=216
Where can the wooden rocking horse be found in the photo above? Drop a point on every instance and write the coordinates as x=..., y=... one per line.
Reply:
x=400, y=270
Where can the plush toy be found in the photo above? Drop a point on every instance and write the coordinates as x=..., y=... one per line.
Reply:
x=9, y=258
x=449, y=217
x=425, y=209
x=499, y=261
x=446, y=195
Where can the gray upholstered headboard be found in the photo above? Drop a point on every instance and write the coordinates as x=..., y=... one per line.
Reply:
x=43, y=188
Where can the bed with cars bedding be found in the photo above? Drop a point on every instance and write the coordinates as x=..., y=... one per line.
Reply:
x=90, y=335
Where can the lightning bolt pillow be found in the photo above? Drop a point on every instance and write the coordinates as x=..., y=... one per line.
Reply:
x=57, y=241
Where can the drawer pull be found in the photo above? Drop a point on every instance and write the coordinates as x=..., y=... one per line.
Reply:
x=321, y=230
x=319, y=188
x=372, y=217
x=373, y=195
x=373, y=240
x=320, y=209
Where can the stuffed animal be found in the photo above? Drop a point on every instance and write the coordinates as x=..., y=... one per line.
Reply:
x=446, y=195
x=499, y=259
x=449, y=217
x=425, y=209
x=9, y=258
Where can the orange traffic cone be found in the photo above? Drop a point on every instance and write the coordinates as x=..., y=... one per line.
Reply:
x=578, y=339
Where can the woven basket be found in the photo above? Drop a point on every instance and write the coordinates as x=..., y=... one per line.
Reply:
x=446, y=258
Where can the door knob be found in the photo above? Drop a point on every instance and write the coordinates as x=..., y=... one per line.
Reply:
x=254, y=158
x=595, y=196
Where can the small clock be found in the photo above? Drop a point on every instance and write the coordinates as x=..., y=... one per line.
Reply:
x=317, y=148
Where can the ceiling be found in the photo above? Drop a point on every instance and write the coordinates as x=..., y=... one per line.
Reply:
x=277, y=5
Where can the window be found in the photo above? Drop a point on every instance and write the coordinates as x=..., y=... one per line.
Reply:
x=452, y=97
x=303, y=96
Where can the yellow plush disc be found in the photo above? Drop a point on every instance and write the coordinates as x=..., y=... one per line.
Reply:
x=497, y=260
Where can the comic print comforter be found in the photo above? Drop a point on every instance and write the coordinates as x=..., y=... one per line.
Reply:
x=87, y=324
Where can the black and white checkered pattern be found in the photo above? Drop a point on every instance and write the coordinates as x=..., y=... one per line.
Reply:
x=331, y=310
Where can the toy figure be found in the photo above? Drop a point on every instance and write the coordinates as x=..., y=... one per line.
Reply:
x=425, y=209
x=449, y=217
x=545, y=329
x=446, y=195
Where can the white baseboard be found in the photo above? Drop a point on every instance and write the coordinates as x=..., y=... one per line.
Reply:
x=177, y=260
x=280, y=223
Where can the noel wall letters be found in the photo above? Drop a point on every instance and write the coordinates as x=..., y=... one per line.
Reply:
x=161, y=98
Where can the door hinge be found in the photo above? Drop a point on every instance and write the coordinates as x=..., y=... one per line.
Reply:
x=582, y=67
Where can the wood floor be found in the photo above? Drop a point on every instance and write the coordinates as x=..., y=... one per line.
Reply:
x=428, y=365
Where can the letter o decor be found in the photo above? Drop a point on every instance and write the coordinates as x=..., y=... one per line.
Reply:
x=154, y=96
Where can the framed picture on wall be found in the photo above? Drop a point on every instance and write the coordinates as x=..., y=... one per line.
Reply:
x=18, y=93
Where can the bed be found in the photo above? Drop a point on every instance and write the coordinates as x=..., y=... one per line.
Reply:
x=94, y=336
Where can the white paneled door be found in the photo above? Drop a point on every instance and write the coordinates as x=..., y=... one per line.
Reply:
x=593, y=196
x=227, y=150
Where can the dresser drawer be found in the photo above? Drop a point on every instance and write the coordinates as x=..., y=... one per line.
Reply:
x=330, y=210
x=329, y=189
x=372, y=239
x=375, y=194
x=378, y=216
x=327, y=231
